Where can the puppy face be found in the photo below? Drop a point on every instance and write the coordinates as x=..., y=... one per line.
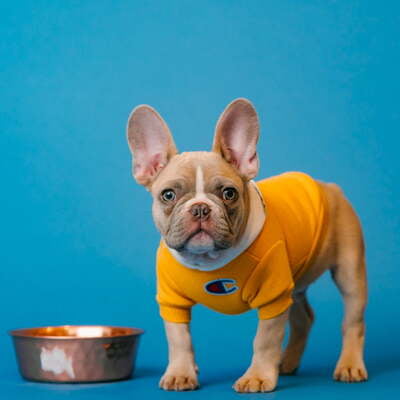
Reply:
x=200, y=203
x=200, y=199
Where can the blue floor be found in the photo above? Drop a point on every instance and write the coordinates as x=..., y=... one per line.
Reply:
x=223, y=350
x=310, y=382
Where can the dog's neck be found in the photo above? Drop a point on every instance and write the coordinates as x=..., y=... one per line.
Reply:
x=217, y=259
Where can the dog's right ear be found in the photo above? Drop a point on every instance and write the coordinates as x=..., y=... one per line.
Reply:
x=150, y=142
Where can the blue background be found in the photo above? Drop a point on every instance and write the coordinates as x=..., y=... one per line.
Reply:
x=77, y=236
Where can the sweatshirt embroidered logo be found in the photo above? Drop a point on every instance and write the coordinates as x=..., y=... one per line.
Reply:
x=221, y=286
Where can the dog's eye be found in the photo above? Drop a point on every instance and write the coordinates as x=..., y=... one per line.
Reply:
x=168, y=195
x=229, y=194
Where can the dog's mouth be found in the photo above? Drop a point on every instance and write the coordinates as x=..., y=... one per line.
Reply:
x=198, y=233
x=200, y=241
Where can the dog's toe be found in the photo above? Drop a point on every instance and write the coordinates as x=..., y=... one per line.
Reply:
x=167, y=382
x=240, y=385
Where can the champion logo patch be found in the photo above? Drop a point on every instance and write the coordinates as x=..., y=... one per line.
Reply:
x=221, y=286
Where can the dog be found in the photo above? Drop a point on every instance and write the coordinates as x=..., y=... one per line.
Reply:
x=232, y=244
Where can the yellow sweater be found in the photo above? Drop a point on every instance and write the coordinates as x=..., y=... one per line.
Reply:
x=263, y=275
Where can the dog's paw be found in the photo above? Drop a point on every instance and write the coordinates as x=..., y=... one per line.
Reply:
x=178, y=382
x=253, y=384
x=288, y=366
x=287, y=370
x=350, y=372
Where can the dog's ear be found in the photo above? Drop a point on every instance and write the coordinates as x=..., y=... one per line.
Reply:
x=236, y=136
x=150, y=142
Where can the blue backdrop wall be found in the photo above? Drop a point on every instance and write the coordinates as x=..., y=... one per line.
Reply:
x=77, y=237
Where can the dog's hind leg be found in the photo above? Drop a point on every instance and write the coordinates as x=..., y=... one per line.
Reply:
x=301, y=317
x=350, y=277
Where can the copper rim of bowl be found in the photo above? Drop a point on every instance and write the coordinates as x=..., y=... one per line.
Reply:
x=71, y=332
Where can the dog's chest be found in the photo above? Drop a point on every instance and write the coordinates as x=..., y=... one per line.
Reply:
x=220, y=290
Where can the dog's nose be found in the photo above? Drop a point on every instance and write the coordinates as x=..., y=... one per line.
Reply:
x=200, y=211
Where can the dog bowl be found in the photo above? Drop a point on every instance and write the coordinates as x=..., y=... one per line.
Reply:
x=76, y=353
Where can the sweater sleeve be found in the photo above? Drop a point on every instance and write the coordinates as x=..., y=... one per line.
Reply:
x=174, y=306
x=269, y=288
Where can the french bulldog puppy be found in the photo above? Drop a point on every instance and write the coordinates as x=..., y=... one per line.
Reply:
x=232, y=244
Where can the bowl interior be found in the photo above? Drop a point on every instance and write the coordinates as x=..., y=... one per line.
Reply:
x=76, y=331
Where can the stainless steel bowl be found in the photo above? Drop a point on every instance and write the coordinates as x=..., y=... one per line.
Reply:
x=72, y=353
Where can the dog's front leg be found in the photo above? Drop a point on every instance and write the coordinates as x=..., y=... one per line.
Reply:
x=262, y=375
x=181, y=373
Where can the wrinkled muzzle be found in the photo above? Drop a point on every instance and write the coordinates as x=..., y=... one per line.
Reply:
x=199, y=227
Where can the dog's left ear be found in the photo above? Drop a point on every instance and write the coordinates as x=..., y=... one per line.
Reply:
x=236, y=136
